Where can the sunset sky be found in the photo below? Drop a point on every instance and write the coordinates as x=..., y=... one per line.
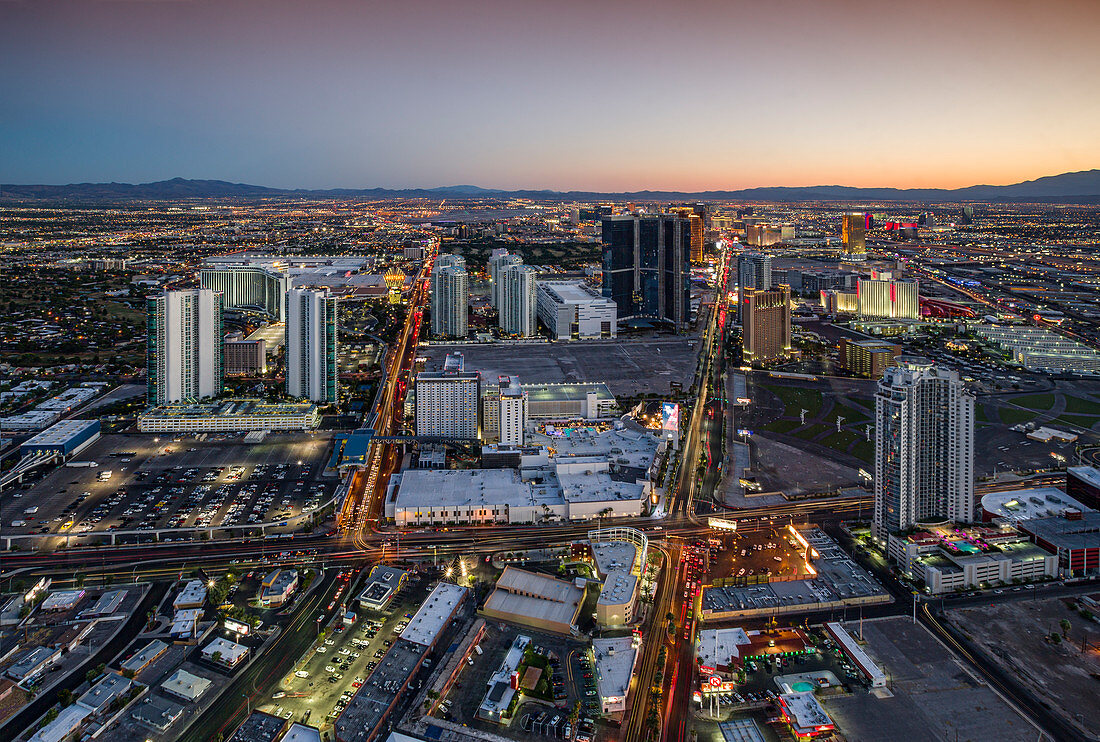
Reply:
x=573, y=94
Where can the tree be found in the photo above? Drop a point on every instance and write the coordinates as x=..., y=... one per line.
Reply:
x=216, y=657
x=1066, y=625
x=65, y=697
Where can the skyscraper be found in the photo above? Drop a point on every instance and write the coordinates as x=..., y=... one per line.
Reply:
x=766, y=325
x=518, y=307
x=447, y=401
x=887, y=298
x=513, y=411
x=498, y=260
x=645, y=267
x=924, y=447
x=184, y=345
x=450, y=296
x=853, y=235
x=248, y=287
x=754, y=271
x=311, y=345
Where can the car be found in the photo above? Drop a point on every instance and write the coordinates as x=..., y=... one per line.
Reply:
x=301, y=674
x=322, y=649
x=330, y=669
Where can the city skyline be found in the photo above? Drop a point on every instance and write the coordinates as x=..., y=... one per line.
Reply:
x=427, y=94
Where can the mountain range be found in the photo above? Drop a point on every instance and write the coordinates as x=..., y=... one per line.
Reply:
x=1081, y=187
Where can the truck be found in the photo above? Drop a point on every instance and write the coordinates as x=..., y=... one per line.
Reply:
x=81, y=464
x=103, y=476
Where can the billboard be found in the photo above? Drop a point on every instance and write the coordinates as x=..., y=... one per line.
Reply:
x=670, y=417
x=237, y=626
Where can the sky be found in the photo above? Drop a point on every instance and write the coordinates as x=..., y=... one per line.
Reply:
x=564, y=94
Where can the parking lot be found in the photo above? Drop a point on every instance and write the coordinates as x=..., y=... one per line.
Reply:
x=147, y=482
x=628, y=367
x=344, y=655
x=572, y=680
x=930, y=696
x=772, y=552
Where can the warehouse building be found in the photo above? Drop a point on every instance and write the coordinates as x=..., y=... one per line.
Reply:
x=67, y=438
x=531, y=599
x=572, y=310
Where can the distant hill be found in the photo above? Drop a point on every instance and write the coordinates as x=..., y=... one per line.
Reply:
x=1081, y=188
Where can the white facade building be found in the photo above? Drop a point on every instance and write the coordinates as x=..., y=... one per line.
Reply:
x=249, y=287
x=185, y=345
x=887, y=298
x=311, y=370
x=924, y=447
x=572, y=309
x=518, y=299
x=450, y=296
x=498, y=260
x=447, y=401
x=513, y=412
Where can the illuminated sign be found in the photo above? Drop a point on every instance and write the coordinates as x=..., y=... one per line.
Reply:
x=670, y=417
x=721, y=524
x=238, y=627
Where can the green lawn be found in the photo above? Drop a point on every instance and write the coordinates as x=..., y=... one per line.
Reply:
x=1079, y=406
x=1012, y=416
x=863, y=448
x=782, y=426
x=981, y=415
x=1080, y=421
x=1040, y=402
x=796, y=399
x=811, y=432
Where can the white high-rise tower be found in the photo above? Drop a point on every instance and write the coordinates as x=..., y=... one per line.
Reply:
x=518, y=308
x=450, y=296
x=924, y=447
x=311, y=371
x=184, y=345
x=498, y=261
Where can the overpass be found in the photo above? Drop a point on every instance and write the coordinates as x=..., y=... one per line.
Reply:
x=26, y=465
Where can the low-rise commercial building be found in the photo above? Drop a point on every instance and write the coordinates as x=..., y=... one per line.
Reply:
x=618, y=596
x=193, y=595
x=33, y=663
x=724, y=652
x=224, y=652
x=501, y=688
x=804, y=715
x=874, y=674
x=531, y=599
x=277, y=587
x=99, y=697
x=144, y=657
x=615, y=661
x=229, y=416
x=67, y=438
x=382, y=584
x=185, y=686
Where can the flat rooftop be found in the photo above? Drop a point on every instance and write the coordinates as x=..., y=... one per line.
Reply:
x=233, y=408
x=1024, y=504
x=60, y=432
x=372, y=701
x=618, y=588
x=566, y=392
x=614, y=665
x=614, y=555
x=573, y=292
x=715, y=647
x=434, y=614
x=535, y=597
x=1087, y=474
x=1067, y=534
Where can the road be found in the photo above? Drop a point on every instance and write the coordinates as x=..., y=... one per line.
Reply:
x=234, y=704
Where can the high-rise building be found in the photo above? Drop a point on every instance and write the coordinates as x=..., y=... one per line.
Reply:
x=573, y=310
x=854, y=236
x=248, y=287
x=766, y=325
x=450, y=296
x=311, y=369
x=890, y=299
x=184, y=345
x=518, y=307
x=868, y=358
x=448, y=401
x=645, y=267
x=696, y=215
x=500, y=259
x=513, y=411
x=244, y=357
x=754, y=271
x=924, y=447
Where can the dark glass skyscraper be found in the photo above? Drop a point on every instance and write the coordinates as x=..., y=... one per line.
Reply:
x=645, y=267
